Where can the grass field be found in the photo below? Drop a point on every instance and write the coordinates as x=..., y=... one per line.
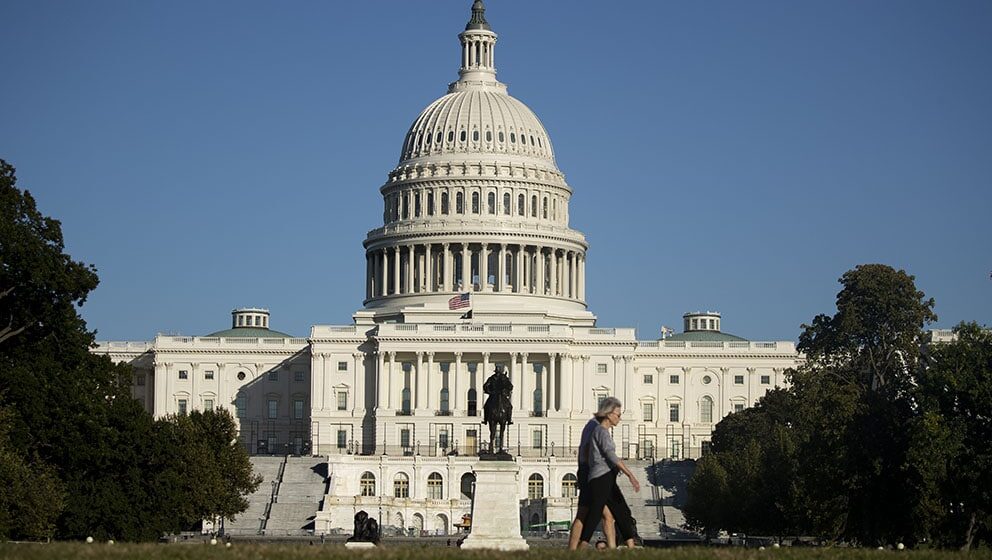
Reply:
x=293, y=552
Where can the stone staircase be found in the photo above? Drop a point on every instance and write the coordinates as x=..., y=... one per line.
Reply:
x=251, y=521
x=643, y=504
x=671, y=478
x=298, y=496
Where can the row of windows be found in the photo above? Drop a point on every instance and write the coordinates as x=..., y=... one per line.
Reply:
x=399, y=207
x=271, y=376
x=421, y=141
x=435, y=486
x=674, y=379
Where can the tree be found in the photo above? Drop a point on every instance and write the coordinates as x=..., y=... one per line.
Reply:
x=87, y=450
x=32, y=498
x=37, y=279
x=857, y=389
x=956, y=390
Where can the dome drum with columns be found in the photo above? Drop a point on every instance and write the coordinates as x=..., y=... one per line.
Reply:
x=477, y=204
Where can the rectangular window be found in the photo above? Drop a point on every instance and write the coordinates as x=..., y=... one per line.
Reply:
x=297, y=376
x=738, y=407
x=208, y=405
x=182, y=407
x=342, y=400
x=140, y=380
x=273, y=408
x=600, y=368
x=342, y=366
x=538, y=437
x=209, y=374
x=766, y=380
x=342, y=439
x=442, y=438
x=273, y=375
x=707, y=447
x=141, y=401
x=673, y=379
x=738, y=380
x=648, y=379
x=405, y=437
x=239, y=407
x=183, y=374
x=673, y=412
x=647, y=410
x=298, y=409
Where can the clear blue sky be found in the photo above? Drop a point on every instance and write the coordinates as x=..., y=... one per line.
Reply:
x=724, y=155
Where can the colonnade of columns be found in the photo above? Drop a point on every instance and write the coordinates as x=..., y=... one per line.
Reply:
x=480, y=267
x=430, y=376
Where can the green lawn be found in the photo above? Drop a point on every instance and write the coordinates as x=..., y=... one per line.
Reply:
x=336, y=551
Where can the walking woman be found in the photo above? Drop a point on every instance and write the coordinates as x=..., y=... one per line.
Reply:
x=599, y=466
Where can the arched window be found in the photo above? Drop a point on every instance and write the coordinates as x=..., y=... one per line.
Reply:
x=475, y=135
x=520, y=204
x=461, y=136
x=444, y=203
x=451, y=136
x=568, y=486
x=467, y=485
x=416, y=204
x=491, y=203
x=489, y=136
x=513, y=138
x=368, y=484
x=438, y=139
x=545, y=208
x=435, y=487
x=406, y=207
x=401, y=486
x=430, y=203
x=459, y=203
x=523, y=139
x=706, y=410
x=506, y=204
x=554, y=208
x=501, y=137
x=535, y=487
x=475, y=203
x=533, y=206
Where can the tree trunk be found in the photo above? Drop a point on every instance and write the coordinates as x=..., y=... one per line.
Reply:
x=969, y=535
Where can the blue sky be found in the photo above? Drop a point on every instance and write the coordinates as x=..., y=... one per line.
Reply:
x=724, y=155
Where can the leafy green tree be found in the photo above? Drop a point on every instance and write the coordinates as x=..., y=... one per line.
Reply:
x=115, y=472
x=956, y=390
x=708, y=493
x=32, y=498
x=856, y=390
x=215, y=472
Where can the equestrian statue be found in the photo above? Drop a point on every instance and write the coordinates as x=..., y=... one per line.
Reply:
x=498, y=410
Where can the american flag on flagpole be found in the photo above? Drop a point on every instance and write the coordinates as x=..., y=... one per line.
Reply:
x=460, y=301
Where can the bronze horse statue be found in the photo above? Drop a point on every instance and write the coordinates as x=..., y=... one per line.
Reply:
x=497, y=412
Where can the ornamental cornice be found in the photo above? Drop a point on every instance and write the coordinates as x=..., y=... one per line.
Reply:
x=381, y=239
x=554, y=183
x=427, y=340
x=227, y=352
x=474, y=170
x=736, y=355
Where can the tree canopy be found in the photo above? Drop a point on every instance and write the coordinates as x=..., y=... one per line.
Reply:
x=881, y=436
x=80, y=455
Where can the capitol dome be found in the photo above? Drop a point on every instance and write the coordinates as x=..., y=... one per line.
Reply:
x=477, y=122
x=476, y=209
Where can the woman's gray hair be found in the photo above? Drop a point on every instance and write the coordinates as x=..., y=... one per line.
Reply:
x=608, y=405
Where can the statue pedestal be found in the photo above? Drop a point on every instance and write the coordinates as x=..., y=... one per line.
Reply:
x=496, y=508
x=358, y=545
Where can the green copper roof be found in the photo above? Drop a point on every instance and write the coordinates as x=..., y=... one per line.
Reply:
x=706, y=336
x=478, y=20
x=249, y=332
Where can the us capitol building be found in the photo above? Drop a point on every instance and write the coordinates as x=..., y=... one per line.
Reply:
x=475, y=265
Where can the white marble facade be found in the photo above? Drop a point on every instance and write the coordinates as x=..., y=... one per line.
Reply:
x=476, y=205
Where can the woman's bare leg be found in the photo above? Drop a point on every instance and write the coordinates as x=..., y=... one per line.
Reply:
x=609, y=528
